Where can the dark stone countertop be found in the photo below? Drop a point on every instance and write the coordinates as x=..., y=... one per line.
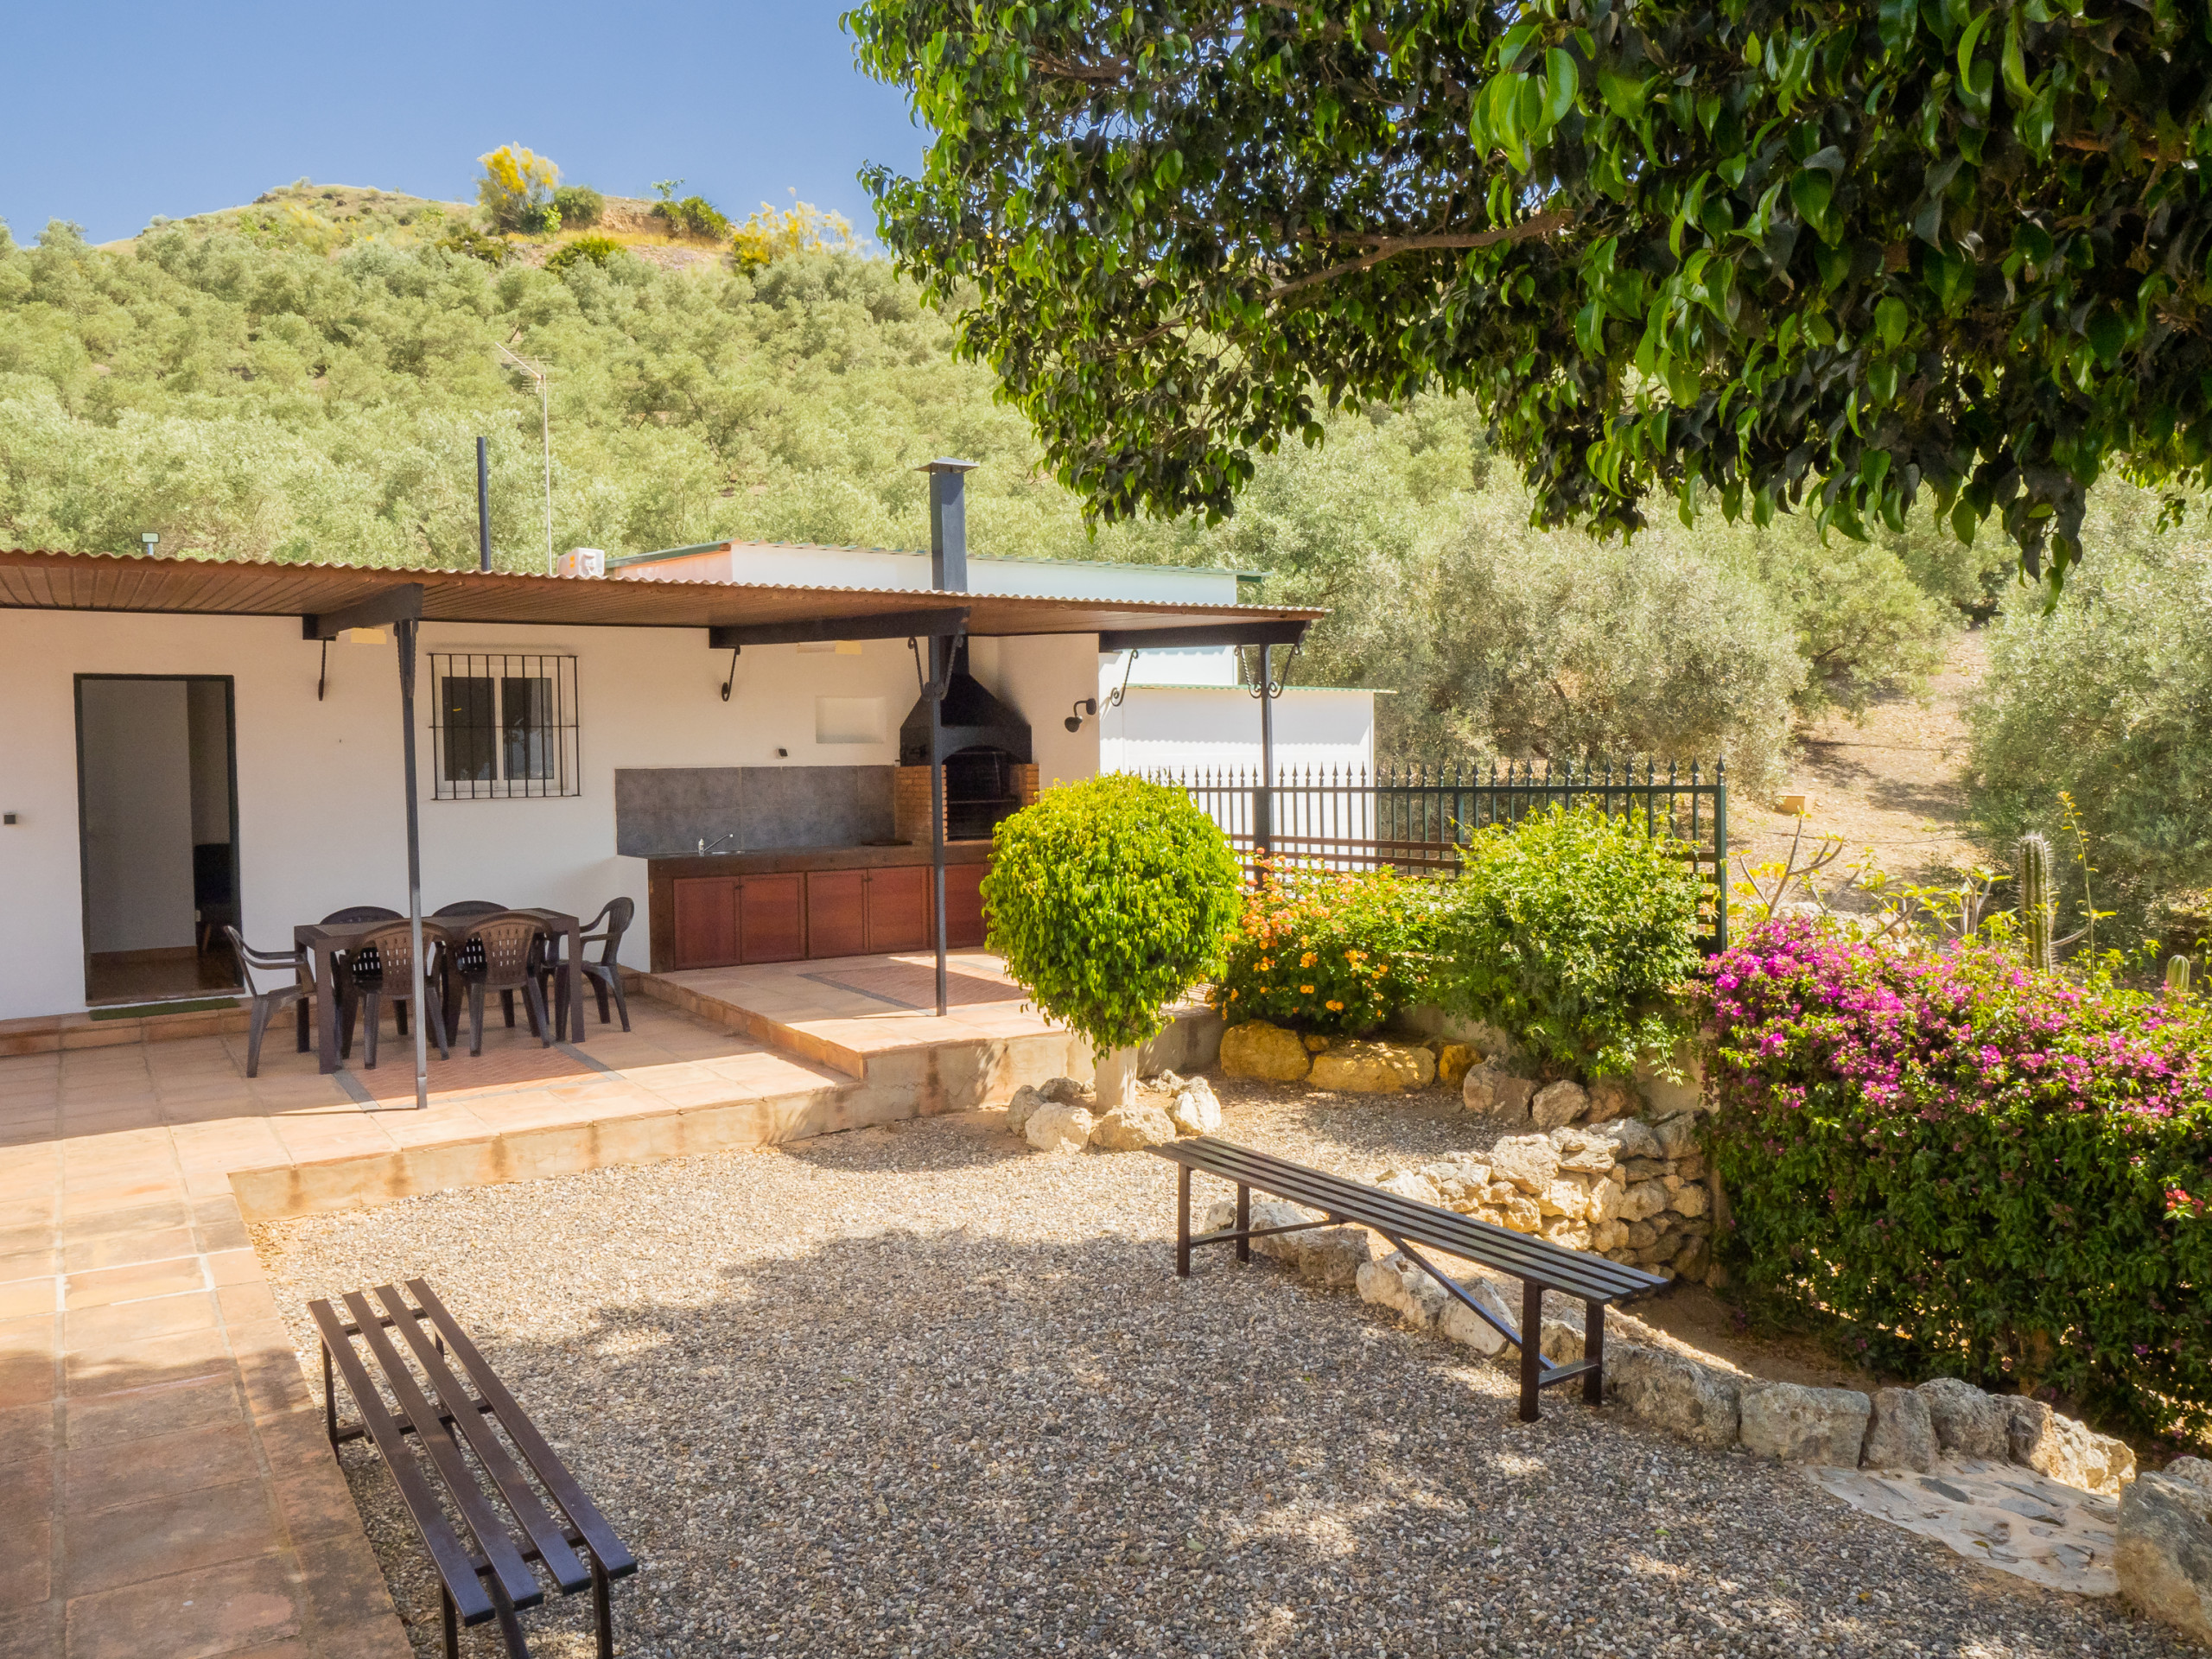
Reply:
x=775, y=860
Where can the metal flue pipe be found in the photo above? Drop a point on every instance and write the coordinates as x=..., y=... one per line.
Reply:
x=947, y=575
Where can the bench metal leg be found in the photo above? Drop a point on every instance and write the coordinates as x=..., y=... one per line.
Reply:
x=1243, y=1222
x=1593, y=1351
x=1182, y=1221
x=451, y=1624
x=599, y=1606
x=329, y=1401
x=1532, y=1347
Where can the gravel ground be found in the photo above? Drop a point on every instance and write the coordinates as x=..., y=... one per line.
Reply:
x=918, y=1390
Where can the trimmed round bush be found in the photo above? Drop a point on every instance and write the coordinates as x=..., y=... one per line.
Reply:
x=1109, y=899
x=597, y=249
x=579, y=205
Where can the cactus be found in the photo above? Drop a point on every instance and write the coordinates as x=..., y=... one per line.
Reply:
x=2037, y=904
x=2177, y=978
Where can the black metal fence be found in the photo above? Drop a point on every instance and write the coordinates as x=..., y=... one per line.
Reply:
x=1417, y=817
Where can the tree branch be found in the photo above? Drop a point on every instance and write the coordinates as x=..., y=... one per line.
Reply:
x=1389, y=247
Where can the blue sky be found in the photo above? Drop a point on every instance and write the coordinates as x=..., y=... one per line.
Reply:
x=119, y=110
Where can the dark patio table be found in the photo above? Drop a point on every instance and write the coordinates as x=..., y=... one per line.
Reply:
x=327, y=941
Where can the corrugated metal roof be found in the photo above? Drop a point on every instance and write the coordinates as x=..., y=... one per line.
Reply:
x=104, y=581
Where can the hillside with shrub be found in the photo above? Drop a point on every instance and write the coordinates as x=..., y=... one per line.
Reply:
x=303, y=378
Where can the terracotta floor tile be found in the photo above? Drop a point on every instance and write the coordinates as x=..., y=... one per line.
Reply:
x=26, y=1534
x=82, y=1225
x=125, y=1249
x=315, y=1502
x=31, y=1632
x=26, y=1298
x=235, y=1267
x=214, y=1609
x=245, y=1303
x=108, y=1476
x=134, y=1362
x=106, y=1286
x=176, y=1533
x=142, y=1413
x=25, y=1432
x=158, y=1316
x=345, y=1588
x=28, y=1348
x=30, y=1264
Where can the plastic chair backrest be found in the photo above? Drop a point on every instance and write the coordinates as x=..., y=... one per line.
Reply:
x=620, y=914
x=361, y=913
x=260, y=968
x=469, y=908
x=508, y=942
x=386, y=958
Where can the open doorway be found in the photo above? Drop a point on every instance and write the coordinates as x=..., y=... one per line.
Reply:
x=158, y=818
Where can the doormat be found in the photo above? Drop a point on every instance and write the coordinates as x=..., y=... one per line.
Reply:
x=912, y=986
x=146, y=1010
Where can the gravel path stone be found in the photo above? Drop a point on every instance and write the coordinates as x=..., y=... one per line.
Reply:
x=918, y=1390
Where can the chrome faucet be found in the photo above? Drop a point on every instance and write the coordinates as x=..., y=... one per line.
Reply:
x=706, y=847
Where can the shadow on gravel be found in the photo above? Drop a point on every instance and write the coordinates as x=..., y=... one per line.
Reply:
x=906, y=1442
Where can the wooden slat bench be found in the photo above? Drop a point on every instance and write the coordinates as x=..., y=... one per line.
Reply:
x=1538, y=1263
x=492, y=1579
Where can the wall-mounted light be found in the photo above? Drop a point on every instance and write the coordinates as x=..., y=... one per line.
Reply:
x=151, y=539
x=1086, y=707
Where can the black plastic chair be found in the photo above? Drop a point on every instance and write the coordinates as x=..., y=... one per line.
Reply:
x=346, y=918
x=392, y=951
x=471, y=960
x=510, y=950
x=604, y=975
x=258, y=971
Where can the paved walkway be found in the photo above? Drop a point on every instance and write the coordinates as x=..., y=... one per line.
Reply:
x=168, y=1489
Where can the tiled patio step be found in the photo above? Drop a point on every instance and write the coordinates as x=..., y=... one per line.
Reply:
x=50, y=1033
x=361, y=1180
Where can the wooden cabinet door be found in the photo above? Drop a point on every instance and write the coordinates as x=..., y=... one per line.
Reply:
x=898, y=908
x=963, y=906
x=837, y=912
x=706, y=922
x=771, y=918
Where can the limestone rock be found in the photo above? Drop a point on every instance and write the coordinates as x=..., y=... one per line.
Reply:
x=1461, y=1185
x=1631, y=1138
x=1019, y=1109
x=1641, y=1235
x=1195, y=1108
x=1519, y=1212
x=1256, y=1049
x=2069, y=1452
x=1565, y=1197
x=1316, y=1044
x=1324, y=1256
x=1902, y=1434
x=1133, y=1127
x=1463, y=1326
x=1677, y=1135
x=1455, y=1061
x=1968, y=1423
x=2164, y=1556
x=1396, y=1283
x=1611, y=1097
x=2194, y=1471
x=1604, y=1201
x=1689, y=1199
x=1558, y=1103
x=1410, y=1183
x=1695, y=1261
x=1643, y=1200
x=1675, y=1393
x=1362, y=1068
x=1565, y=1230
x=1058, y=1126
x=1803, y=1425
x=1065, y=1090
x=1607, y=1236
x=1529, y=1161
x=1586, y=1151
x=1487, y=1089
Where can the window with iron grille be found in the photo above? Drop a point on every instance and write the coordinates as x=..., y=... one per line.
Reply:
x=506, y=726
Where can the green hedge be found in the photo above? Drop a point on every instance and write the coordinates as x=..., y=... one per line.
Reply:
x=1982, y=1170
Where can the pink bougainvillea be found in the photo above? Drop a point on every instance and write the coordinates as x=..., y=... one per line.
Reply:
x=1971, y=1164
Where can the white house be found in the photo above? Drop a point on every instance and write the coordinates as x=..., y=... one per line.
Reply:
x=180, y=749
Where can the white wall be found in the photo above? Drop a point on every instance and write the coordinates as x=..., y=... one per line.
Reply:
x=321, y=815
x=1219, y=727
x=138, y=748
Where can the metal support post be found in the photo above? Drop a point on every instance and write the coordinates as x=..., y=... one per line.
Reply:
x=405, y=631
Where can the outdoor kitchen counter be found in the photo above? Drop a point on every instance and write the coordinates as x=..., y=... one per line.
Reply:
x=790, y=903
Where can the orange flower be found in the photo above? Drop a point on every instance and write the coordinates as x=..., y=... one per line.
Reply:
x=1334, y=1007
x=1306, y=990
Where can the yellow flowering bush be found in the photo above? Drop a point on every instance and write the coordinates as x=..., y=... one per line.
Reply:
x=1327, y=951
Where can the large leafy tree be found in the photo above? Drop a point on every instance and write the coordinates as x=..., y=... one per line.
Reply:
x=1777, y=254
